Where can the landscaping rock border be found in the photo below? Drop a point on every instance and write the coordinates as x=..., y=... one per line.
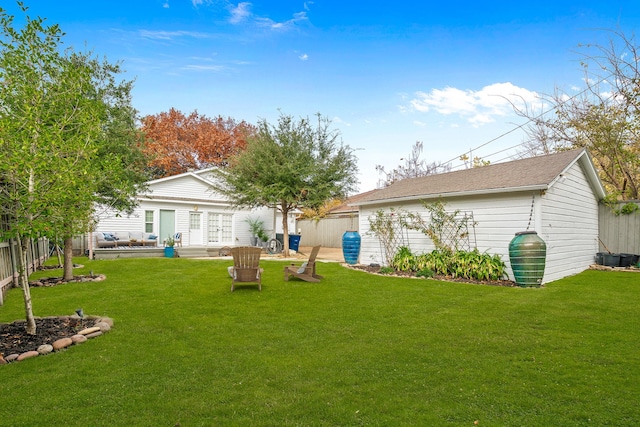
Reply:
x=96, y=326
x=54, y=281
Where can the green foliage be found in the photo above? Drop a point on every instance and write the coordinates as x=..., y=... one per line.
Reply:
x=611, y=201
x=262, y=235
x=291, y=165
x=63, y=125
x=628, y=209
x=386, y=270
x=256, y=226
x=425, y=272
x=477, y=266
x=403, y=260
x=388, y=228
x=468, y=265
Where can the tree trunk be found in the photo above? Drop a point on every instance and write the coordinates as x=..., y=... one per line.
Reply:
x=58, y=254
x=285, y=230
x=68, y=259
x=23, y=280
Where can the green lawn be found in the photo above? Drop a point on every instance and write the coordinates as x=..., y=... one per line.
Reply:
x=355, y=349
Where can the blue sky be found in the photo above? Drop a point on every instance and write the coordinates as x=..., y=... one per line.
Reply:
x=387, y=74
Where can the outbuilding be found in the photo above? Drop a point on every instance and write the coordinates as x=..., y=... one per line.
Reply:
x=555, y=195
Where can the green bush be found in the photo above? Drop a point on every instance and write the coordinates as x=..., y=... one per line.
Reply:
x=403, y=260
x=386, y=270
x=463, y=264
x=425, y=273
x=477, y=266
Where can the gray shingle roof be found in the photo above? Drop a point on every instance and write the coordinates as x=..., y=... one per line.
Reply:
x=529, y=173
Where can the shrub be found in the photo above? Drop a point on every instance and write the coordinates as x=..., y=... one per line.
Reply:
x=477, y=266
x=471, y=265
x=425, y=273
x=403, y=260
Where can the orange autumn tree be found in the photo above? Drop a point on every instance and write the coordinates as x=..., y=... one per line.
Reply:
x=177, y=143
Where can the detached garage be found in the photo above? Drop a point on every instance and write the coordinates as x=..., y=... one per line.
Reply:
x=555, y=195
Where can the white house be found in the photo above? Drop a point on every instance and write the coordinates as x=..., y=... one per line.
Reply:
x=555, y=195
x=187, y=204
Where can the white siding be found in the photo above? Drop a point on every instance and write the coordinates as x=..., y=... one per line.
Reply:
x=498, y=218
x=565, y=217
x=185, y=187
x=135, y=222
x=185, y=194
x=110, y=222
x=569, y=225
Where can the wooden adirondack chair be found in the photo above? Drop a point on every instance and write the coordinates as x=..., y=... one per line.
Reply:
x=246, y=266
x=306, y=271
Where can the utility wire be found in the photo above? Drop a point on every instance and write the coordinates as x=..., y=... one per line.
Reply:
x=555, y=107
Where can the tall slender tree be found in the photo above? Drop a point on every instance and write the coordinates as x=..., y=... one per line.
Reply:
x=54, y=110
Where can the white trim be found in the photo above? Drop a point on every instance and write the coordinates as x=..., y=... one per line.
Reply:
x=505, y=190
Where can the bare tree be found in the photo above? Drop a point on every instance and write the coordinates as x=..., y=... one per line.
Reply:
x=603, y=117
x=413, y=167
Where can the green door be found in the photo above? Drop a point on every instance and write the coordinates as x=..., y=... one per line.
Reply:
x=167, y=224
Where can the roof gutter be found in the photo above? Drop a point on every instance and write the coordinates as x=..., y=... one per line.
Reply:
x=536, y=187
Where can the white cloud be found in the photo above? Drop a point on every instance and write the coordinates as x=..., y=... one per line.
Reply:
x=240, y=13
x=303, y=57
x=478, y=107
x=285, y=25
x=170, y=35
x=166, y=5
x=338, y=120
x=215, y=68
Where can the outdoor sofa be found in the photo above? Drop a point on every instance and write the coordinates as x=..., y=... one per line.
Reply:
x=105, y=239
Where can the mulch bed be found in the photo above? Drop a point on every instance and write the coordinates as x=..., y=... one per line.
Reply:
x=14, y=338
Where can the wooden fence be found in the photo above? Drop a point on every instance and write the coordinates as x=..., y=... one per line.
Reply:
x=619, y=233
x=326, y=232
x=9, y=252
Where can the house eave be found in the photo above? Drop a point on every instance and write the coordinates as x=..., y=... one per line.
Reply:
x=169, y=199
x=537, y=187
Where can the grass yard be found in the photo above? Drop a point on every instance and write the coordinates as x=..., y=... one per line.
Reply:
x=355, y=349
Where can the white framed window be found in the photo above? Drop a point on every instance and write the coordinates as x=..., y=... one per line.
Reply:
x=148, y=221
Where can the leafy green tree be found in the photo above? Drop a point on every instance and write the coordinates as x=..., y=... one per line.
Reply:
x=117, y=169
x=57, y=114
x=291, y=165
